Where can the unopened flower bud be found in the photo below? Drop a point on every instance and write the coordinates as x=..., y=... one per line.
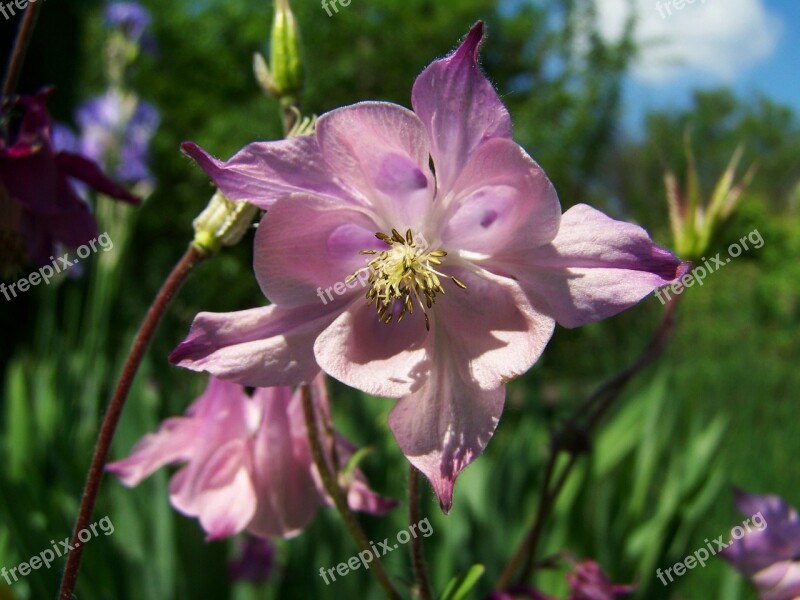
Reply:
x=222, y=223
x=693, y=223
x=286, y=65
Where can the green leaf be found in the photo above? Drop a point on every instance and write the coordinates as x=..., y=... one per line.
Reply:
x=461, y=585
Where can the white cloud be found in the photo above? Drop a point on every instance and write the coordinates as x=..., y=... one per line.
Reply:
x=718, y=38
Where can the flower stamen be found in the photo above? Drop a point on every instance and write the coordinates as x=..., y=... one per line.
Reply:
x=403, y=270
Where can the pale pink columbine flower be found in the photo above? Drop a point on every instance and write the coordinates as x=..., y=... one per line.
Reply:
x=466, y=270
x=768, y=552
x=247, y=462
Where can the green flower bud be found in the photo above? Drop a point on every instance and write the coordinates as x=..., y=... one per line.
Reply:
x=222, y=223
x=286, y=66
x=693, y=224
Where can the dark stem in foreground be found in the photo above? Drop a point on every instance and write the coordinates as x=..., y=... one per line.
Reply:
x=417, y=557
x=182, y=270
x=21, y=43
x=574, y=436
x=336, y=493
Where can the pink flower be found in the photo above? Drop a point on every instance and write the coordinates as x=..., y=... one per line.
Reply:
x=769, y=552
x=247, y=462
x=468, y=269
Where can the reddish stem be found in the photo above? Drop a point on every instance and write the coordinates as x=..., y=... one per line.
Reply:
x=180, y=272
x=20, y=49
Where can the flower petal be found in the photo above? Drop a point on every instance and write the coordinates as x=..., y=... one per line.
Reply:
x=263, y=171
x=381, y=151
x=89, y=172
x=179, y=439
x=260, y=347
x=502, y=202
x=459, y=108
x=774, y=508
x=781, y=581
x=173, y=443
x=287, y=498
x=307, y=246
x=365, y=353
x=445, y=425
x=595, y=268
x=495, y=345
x=219, y=490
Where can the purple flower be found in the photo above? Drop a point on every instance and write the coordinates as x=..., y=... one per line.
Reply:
x=588, y=582
x=40, y=206
x=247, y=462
x=131, y=18
x=467, y=266
x=255, y=560
x=116, y=130
x=768, y=552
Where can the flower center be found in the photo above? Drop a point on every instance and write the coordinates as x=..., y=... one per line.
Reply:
x=404, y=270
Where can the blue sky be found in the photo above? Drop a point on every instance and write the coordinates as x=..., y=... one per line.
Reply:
x=751, y=45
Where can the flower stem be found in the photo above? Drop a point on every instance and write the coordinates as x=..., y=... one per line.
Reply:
x=573, y=438
x=20, y=49
x=190, y=260
x=417, y=557
x=336, y=493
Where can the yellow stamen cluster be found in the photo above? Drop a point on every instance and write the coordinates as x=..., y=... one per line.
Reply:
x=405, y=269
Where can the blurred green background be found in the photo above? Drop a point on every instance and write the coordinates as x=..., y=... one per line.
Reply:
x=718, y=410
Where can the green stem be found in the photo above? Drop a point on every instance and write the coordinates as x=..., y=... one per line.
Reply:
x=336, y=493
x=417, y=557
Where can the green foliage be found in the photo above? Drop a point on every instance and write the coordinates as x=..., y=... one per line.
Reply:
x=656, y=483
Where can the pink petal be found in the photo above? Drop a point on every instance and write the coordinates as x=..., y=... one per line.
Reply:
x=307, y=246
x=781, y=581
x=459, y=108
x=381, y=151
x=445, y=425
x=287, y=497
x=219, y=491
x=173, y=443
x=260, y=347
x=376, y=358
x=595, y=268
x=181, y=439
x=360, y=496
x=263, y=171
x=502, y=202
x=496, y=345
